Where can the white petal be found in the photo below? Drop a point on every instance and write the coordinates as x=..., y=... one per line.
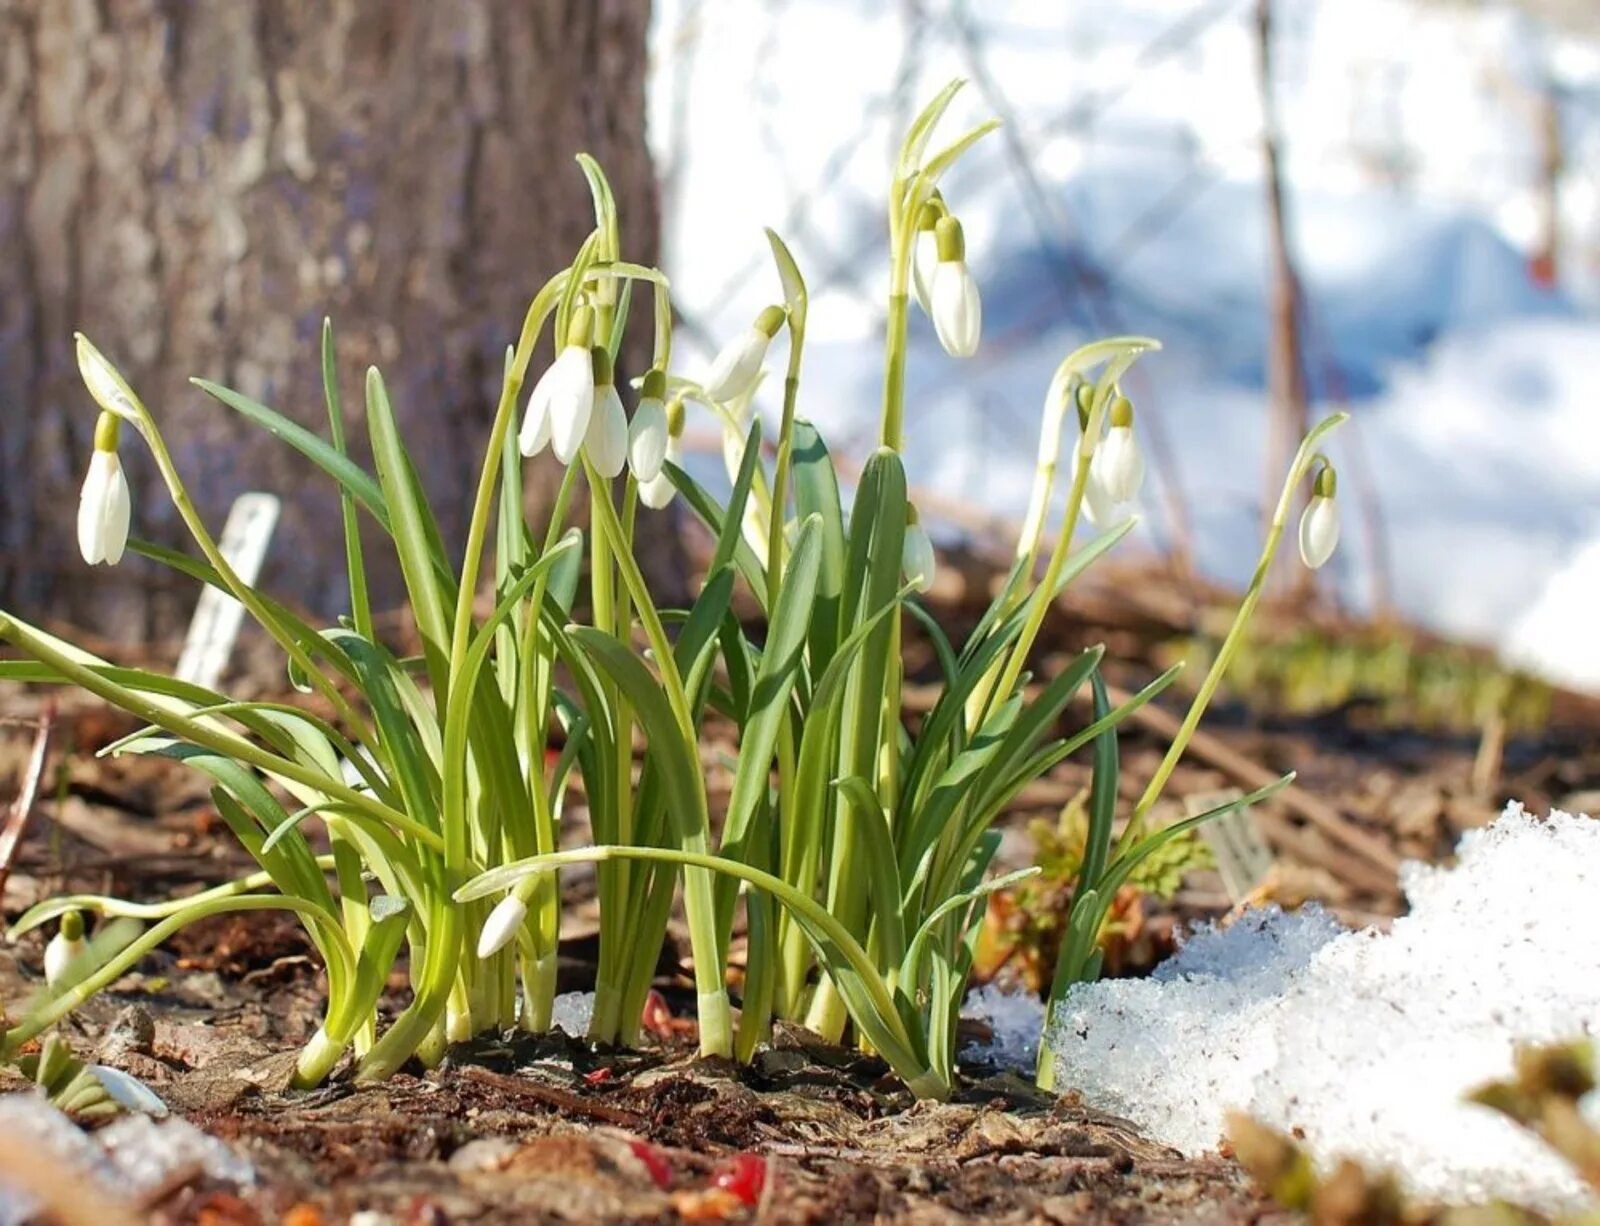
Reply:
x=606, y=444
x=128, y=1091
x=59, y=955
x=916, y=558
x=1120, y=464
x=118, y=513
x=647, y=439
x=924, y=260
x=1319, y=531
x=735, y=369
x=534, y=436
x=571, y=401
x=1098, y=507
x=658, y=493
x=103, y=510
x=957, y=310
x=503, y=924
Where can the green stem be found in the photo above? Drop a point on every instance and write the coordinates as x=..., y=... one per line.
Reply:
x=1219, y=666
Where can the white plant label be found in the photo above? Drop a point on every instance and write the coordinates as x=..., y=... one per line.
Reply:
x=1243, y=857
x=218, y=616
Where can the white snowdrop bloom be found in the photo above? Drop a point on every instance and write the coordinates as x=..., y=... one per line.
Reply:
x=128, y=1091
x=502, y=926
x=606, y=443
x=1099, y=508
x=647, y=432
x=658, y=491
x=104, y=505
x=571, y=401
x=1119, y=461
x=1319, y=530
x=735, y=368
x=917, y=561
x=925, y=257
x=101, y=378
x=65, y=948
x=534, y=436
x=956, y=309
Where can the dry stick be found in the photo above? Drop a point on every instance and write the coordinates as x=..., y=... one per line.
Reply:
x=22, y=806
x=1251, y=774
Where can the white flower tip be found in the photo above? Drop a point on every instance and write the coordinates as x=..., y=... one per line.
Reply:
x=502, y=926
x=957, y=309
x=104, y=510
x=606, y=442
x=129, y=1092
x=647, y=440
x=571, y=401
x=59, y=955
x=1319, y=531
x=735, y=369
x=1121, y=464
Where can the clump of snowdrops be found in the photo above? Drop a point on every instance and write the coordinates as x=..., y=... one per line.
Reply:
x=859, y=847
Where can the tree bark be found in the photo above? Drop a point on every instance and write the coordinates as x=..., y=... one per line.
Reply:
x=196, y=185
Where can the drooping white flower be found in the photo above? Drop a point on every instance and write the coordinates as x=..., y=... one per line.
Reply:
x=129, y=1092
x=65, y=948
x=1118, y=460
x=735, y=368
x=103, y=382
x=925, y=255
x=647, y=432
x=658, y=491
x=503, y=924
x=1319, y=523
x=561, y=401
x=1099, y=508
x=606, y=443
x=956, y=309
x=104, y=504
x=917, y=561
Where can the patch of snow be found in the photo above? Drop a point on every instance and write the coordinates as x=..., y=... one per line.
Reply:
x=1015, y=1016
x=571, y=1012
x=1366, y=1041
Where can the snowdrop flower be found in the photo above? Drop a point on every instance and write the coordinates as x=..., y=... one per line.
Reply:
x=955, y=307
x=504, y=922
x=104, y=505
x=647, y=432
x=563, y=399
x=735, y=369
x=103, y=381
x=1098, y=507
x=1118, y=460
x=65, y=948
x=128, y=1091
x=925, y=253
x=1319, y=525
x=916, y=553
x=657, y=492
x=606, y=443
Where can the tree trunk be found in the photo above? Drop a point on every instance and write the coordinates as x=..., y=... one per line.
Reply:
x=196, y=186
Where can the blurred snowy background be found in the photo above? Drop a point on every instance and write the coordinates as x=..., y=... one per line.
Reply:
x=1442, y=178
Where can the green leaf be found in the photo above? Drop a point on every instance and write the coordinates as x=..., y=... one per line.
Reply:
x=351, y=477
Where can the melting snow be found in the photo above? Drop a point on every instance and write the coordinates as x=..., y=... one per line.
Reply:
x=1366, y=1041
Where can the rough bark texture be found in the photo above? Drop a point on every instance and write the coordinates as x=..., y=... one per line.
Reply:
x=196, y=185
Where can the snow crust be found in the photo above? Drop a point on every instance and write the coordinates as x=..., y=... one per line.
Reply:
x=1015, y=1016
x=1365, y=1041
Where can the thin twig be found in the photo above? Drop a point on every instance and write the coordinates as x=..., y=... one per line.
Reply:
x=17, y=819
